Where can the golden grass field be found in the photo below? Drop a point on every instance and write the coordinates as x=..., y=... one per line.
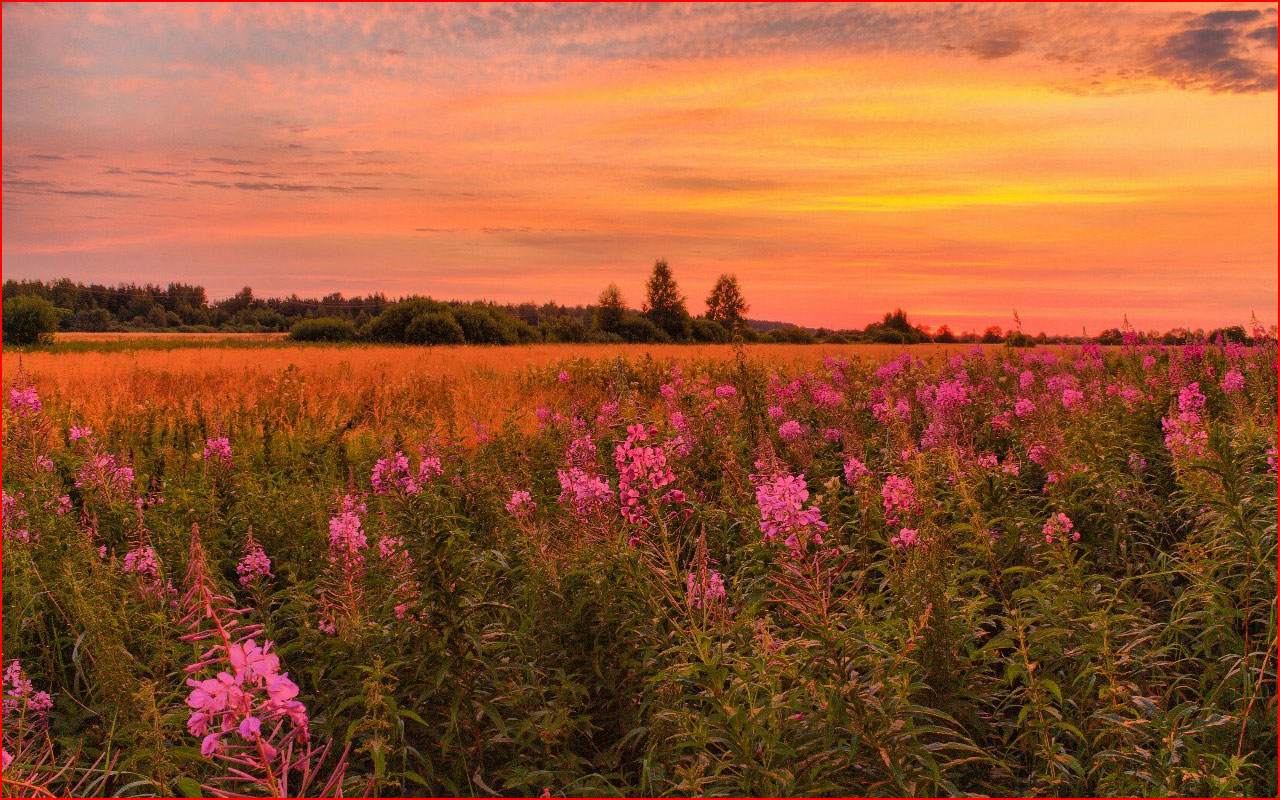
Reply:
x=369, y=383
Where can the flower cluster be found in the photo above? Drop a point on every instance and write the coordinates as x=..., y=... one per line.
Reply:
x=781, y=497
x=12, y=520
x=898, y=496
x=21, y=698
x=143, y=563
x=906, y=538
x=24, y=402
x=587, y=493
x=705, y=588
x=255, y=563
x=392, y=474
x=218, y=450
x=1060, y=527
x=642, y=469
x=521, y=504
x=347, y=540
x=854, y=470
x=1186, y=434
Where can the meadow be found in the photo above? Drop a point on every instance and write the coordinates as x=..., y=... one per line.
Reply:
x=262, y=568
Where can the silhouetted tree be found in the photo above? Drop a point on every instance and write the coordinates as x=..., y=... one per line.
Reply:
x=725, y=304
x=611, y=308
x=664, y=305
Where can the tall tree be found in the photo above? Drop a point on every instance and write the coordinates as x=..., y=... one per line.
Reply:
x=725, y=304
x=664, y=305
x=611, y=308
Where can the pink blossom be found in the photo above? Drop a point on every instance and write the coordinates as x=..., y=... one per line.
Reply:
x=24, y=402
x=705, y=588
x=1060, y=526
x=1232, y=382
x=218, y=449
x=791, y=431
x=781, y=498
x=906, y=538
x=854, y=469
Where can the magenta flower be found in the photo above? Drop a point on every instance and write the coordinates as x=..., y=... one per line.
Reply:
x=219, y=450
x=1232, y=382
x=791, y=431
x=24, y=402
x=1059, y=526
x=854, y=469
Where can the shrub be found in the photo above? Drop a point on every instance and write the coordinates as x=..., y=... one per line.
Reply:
x=434, y=327
x=323, y=329
x=29, y=320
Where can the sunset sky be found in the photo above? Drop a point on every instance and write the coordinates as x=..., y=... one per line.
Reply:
x=1076, y=163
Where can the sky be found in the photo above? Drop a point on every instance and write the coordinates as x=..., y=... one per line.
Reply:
x=1076, y=163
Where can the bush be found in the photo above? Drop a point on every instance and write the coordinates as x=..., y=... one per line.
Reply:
x=637, y=329
x=323, y=329
x=706, y=330
x=434, y=327
x=391, y=324
x=29, y=320
x=479, y=326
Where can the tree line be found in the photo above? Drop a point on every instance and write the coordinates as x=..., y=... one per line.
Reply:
x=34, y=310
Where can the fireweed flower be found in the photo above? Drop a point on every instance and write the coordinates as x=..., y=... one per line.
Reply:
x=392, y=474
x=1185, y=434
x=13, y=516
x=642, y=470
x=791, y=431
x=1059, y=526
x=218, y=450
x=1232, y=382
x=854, y=469
x=705, y=588
x=906, y=538
x=563, y=377
x=255, y=563
x=347, y=539
x=725, y=392
x=21, y=698
x=1024, y=408
x=143, y=563
x=781, y=498
x=75, y=434
x=24, y=402
x=587, y=493
x=1071, y=398
x=521, y=504
x=898, y=496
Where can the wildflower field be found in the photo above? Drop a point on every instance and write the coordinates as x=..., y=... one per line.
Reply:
x=641, y=571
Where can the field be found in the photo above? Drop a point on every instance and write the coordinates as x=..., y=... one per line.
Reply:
x=251, y=567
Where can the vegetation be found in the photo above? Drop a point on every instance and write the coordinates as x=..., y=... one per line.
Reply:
x=1000, y=571
x=663, y=318
x=29, y=320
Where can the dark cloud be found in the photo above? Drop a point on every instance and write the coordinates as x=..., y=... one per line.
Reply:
x=48, y=157
x=1265, y=34
x=1212, y=51
x=711, y=183
x=1230, y=17
x=998, y=46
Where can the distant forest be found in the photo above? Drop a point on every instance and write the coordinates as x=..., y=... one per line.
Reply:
x=662, y=317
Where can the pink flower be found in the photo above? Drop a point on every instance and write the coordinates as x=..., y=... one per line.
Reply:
x=781, y=498
x=791, y=431
x=705, y=588
x=254, y=565
x=899, y=497
x=854, y=469
x=1060, y=526
x=725, y=392
x=1232, y=382
x=218, y=449
x=906, y=538
x=521, y=504
x=563, y=377
x=24, y=402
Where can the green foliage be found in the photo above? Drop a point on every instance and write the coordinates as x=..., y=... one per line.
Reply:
x=323, y=329
x=29, y=320
x=434, y=327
